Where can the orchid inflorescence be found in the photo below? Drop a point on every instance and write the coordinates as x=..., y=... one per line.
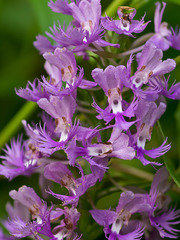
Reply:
x=71, y=150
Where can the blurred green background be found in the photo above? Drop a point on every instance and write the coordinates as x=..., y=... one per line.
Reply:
x=20, y=22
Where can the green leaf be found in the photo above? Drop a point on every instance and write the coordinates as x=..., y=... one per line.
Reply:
x=108, y=201
x=175, y=174
x=13, y=126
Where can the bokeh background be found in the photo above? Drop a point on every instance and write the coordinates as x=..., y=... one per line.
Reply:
x=20, y=22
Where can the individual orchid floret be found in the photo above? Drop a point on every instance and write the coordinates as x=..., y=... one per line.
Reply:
x=160, y=218
x=151, y=65
x=164, y=37
x=61, y=66
x=147, y=114
x=27, y=206
x=67, y=227
x=129, y=204
x=126, y=25
x=59, y=173
x=33, y=91
x=43, y=44
x=46, y=141
x=116, y=146
x=62, y=111
x=161, y=84
x=112, y=80
x=174, y=38
x=65, y=61
x=20, y=159
x=160, y=38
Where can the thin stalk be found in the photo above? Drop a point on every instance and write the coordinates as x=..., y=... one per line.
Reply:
x=105, y=54
x=138, y=173
x=133, y=171
x=15, y=123
x=85, y=110
x=161, y=131
x=116, y=183
x=141, y=40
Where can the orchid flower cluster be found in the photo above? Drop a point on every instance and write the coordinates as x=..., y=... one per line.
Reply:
x=73, y=155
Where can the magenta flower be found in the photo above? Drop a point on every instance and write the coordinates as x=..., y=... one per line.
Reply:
x=59, y=173
x=116, y=146
x=174, y=38
x=160, y=217
x=162, y=85
x=33, y=91
x=150, y=65
x=112, y=81
x=164, y=37
x=20, y=159
x=85, y=28
x=147, y=114
x=66, y=228
x=160, y=38
x=27, y=206
x=126, y=25
x=61, y=66
x=119, y=220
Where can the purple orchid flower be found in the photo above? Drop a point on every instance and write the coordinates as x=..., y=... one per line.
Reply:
x=20, y=159
x=33, y=91
x=68, y=224
x=161, y=84
x=164, y=37
x=129, y=204
x=61, y=66
x=27, y=205
x=59, y=173
x=44, y=141
x=98, y=154
x=147, y=114
x=150, y=65
x=174, y=38
x=43, y=44
x=159, y=216
x=126, y=25
x=160, y=38
x=61, y=110
x=85, y=28
x=112, y=80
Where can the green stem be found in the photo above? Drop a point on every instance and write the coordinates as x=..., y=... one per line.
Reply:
x=112, y=8
x=138, y=173
x=15, y=123
x=160, y=129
